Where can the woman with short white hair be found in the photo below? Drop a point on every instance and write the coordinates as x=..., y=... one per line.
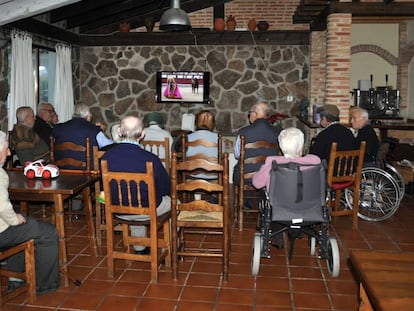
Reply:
x=16, y=228
x=291, y=142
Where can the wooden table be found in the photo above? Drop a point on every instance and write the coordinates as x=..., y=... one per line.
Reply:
x=386, y=280
x=56, y=191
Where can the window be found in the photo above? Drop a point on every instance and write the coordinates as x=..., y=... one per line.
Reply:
x=44, y=68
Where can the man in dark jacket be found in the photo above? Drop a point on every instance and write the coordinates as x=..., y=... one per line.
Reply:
x=332, y=132
x=129, y=156
x=76, y=130
x=43, y=122
x=259, y=129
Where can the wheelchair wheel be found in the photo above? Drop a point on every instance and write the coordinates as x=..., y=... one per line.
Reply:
x=257, y=249
x=379, y=195
x=397, y=177
x=333, y=260
x=312, y=245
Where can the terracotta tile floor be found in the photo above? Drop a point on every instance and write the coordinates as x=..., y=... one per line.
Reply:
x=301, y=284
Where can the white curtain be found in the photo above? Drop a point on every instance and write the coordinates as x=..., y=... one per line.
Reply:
x=63, y=98
x=22, y=79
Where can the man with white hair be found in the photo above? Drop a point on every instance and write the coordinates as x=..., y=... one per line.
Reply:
x=259, y=129
x=129, y=156
x=25, y=141
x=365, y=132
x=76, y=130
x=43, y=123
x=291, y=142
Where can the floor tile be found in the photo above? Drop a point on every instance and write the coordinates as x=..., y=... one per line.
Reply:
x=302, y=283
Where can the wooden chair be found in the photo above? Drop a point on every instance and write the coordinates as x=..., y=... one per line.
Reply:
x=99, y=206
x=204, y=143
x=71, y=164
x=217, y=158
x=200, y=216
x=344, y=171
x=29, y=276
x=80, y=166
x=245, y=191
x=99, y=200
x=160, y=148
x=130, y=196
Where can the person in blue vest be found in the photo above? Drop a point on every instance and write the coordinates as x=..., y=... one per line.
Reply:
x=129, y=156
x=259, y=129
x=76, y=130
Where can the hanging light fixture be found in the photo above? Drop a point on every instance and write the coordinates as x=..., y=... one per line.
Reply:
x=175, y=19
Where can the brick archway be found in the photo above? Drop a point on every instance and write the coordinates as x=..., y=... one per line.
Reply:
x=377, y=50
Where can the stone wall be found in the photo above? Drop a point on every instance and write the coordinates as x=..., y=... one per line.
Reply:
x=116, y=81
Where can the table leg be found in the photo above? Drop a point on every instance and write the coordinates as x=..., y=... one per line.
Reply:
x=87, y=203
x=60, y=227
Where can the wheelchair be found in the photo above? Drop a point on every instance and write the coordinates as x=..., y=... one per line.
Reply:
x=296, y=202
x=381, y=191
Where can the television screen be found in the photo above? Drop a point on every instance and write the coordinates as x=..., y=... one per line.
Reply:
x=190, y=87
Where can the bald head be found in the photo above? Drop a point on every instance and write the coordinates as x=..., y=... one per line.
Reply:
x=258, y=111
x=131, y=129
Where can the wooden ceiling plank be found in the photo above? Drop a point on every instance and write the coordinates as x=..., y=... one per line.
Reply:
x=136, y=17
x=18, y=9
x=74, y=9
x=49, y=31
x=116, y=12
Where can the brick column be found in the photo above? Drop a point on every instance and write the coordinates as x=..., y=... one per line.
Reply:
x=338, y=62
x=318, y=66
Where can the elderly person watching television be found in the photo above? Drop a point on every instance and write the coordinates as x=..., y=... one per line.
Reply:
x=291, y=142
x=365, y=132
x=129, y=156
x=25, y=141
x=16, y=228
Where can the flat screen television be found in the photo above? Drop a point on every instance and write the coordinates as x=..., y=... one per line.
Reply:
x=185, y=87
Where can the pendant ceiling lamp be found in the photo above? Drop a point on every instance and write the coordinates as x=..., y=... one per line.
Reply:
x=175, y=19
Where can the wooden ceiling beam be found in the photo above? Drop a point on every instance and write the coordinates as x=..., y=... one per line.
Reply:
x=11, y=11
x=136, y=17
x=49, y=31
x=69, y=11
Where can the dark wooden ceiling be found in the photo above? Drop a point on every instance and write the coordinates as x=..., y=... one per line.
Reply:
x=315, y=12
x=83, y=21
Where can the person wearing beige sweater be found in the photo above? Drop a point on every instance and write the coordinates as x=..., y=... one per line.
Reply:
x=16, y=228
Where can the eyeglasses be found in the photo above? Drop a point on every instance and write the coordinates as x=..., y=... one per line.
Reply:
x=48, y=110
x=250, y=112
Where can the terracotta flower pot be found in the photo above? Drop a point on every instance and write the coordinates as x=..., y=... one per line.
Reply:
x=251, y=25
x=263, y=25
x=124, y=27
x=219, y=24
x=231, y=23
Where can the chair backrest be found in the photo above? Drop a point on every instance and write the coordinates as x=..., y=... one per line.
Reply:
x=129, y=193
x=206, y=146
x=185, y=143
x=184, y=187
x=250, y=165
x=71, y=162
x=97, y=155
x=345, y=166
x=297, y=191
x=160, y=148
